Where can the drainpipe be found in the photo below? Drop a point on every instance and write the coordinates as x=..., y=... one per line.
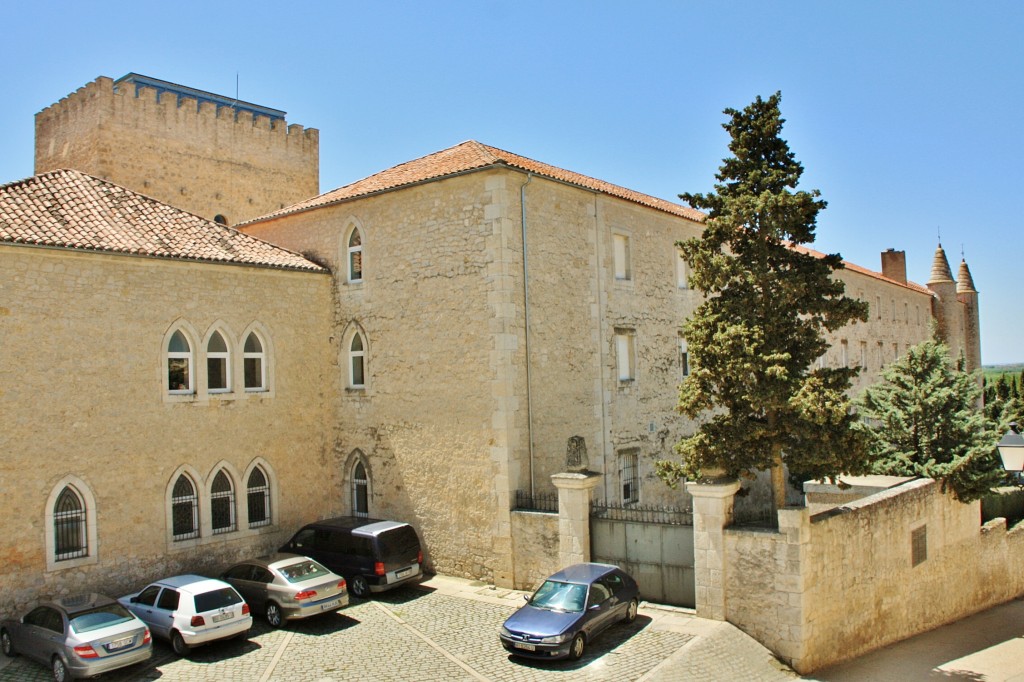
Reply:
x=526, y=319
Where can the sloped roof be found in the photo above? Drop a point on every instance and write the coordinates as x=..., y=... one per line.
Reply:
x=72, y=210
x=470, y=156
x=853, y=267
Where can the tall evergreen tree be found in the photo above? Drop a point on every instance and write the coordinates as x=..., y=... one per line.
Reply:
x=923, y=419
x=761, y=327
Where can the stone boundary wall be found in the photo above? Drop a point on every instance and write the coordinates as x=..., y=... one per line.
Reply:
x=832, y=586
x=535, y=547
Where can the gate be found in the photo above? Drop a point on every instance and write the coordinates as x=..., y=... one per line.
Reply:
x=652, y=544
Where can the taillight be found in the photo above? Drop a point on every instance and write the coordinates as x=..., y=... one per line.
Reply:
x=378, y=568
x=419, y=557
x=197, y=621
x=86, y=651
x=147, y=638
x=245, y=609
x=341, y=584
x=305, y=594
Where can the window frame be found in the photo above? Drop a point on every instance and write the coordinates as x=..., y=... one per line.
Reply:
x=264, y=491
x=353, y=253
x=260, y=356
x=622, y=257
x=223, y=357
x=85, y=497
x=218, y=498
x=188, y=356
x=191, y=500
x=629, y=476
x=682, y=273
x=625, y=355
x=353, y=356
x=360, y=490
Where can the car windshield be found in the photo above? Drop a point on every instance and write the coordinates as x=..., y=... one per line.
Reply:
x=558, y=596
x=216, y=599
x=111, y=614
x=302, y=571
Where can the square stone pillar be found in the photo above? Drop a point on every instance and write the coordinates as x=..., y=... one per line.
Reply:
x=574, y=515
x=712, y=513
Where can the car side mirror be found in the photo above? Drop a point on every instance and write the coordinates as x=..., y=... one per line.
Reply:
x=526, y=597
x=593, y=607
x=134, y=600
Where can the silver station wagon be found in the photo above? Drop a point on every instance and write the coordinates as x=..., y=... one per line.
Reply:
x=287, y=587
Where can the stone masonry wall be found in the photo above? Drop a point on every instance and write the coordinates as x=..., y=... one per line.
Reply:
x=201, y=159
x=82, y=394
x=833, y=586
x=535, y=546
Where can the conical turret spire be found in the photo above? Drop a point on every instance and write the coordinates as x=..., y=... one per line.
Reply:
x=964, y=281
x=940, y=268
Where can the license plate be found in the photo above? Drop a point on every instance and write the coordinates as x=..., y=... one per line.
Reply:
x=119, y=643
x=404, y=572
x=330, y=605
x=223, y=616
x=524, y=647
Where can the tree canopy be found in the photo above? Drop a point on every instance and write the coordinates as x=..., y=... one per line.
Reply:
x=768, y=303
x=924, y=419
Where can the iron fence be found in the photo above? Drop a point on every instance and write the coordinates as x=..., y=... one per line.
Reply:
x=640, y=513
x=537, y=502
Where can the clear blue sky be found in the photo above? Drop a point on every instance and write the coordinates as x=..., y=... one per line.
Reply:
x=906, y=115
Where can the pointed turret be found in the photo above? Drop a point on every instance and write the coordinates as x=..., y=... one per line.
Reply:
x=940, y=268
x=968, y=297
x=946, y=308
x=964, y=281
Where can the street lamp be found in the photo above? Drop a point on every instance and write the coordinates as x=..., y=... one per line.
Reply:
x=1011, y=449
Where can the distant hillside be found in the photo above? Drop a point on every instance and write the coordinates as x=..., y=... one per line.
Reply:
x=993, y=372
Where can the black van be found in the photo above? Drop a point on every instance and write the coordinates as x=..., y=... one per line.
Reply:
x=372, y=555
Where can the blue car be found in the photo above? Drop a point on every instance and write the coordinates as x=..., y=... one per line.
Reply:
x=571, y=608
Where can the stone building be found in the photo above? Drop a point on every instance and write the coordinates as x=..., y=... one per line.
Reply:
x=451, y=323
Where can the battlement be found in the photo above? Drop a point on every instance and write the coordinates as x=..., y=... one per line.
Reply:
x=205, y=153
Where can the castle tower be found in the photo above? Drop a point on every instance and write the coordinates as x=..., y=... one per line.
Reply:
x=217, y=157
x=968, y=297
x=945, y=305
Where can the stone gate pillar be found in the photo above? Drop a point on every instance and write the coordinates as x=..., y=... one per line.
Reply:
x=712, y=513
x=574, y=489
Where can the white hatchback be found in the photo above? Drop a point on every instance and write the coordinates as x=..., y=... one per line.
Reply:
x=188, y=610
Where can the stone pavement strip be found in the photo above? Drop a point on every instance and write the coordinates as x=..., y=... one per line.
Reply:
x=447, y=630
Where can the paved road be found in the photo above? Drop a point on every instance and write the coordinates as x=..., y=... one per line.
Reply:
x=448, y=631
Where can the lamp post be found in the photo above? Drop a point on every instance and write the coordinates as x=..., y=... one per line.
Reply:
x=1011, y=449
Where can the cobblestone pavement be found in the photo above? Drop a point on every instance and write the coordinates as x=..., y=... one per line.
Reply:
x=443, y=633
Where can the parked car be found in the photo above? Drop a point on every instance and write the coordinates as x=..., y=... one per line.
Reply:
x=287, y=587
x=189, y=610
x=78, y=636
x=372, y=555
x=569, y=610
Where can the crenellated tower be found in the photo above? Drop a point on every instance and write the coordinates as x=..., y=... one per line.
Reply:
x=208, y=154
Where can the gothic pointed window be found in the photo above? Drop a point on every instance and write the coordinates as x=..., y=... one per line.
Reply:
x=69, y=526
x=222, y=503
x=254, y=364
x=218, y=365
x=257, y=493
x=179, y=364
x=184, y=509
x=355, y=256
x=357, y=362
x=360, y=491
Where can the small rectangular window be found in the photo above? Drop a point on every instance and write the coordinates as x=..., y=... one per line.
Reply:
x=878, y=307
x=864, y=354
x=623, y=269
x=844, y=353
x=684, y=359
x=881, y=355
x=918, y=545
x=624, y=355
x=894, y=310
x=629, y=476
x=682, y=273
x=906, y=312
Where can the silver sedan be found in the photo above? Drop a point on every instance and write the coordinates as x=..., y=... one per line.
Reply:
x=287, y=587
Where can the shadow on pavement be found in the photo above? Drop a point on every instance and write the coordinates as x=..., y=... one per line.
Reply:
x=607, y=641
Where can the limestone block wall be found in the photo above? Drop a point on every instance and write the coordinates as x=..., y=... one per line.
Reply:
x=440, y=421
x=535, y=541
x=199, y=158
x=82, y=394
x=832, y=586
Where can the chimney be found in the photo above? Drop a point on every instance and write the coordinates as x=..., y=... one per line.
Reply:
x=894, y=265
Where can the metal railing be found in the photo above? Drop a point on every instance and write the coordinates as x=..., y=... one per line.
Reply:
x=538, y=502
x=640, y=513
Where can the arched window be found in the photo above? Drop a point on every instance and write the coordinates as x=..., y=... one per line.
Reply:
x=218, y=365
x=222, y=503
x=360, y=490
x=257, y=492
x=69, y=526
x=255, y=362
x=184, y=509
x=220, y=219
x=179, y=364
x=357, y=362
x=355, y=255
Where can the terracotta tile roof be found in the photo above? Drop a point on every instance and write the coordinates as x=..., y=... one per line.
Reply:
x=470, y=156
x=69, y=209
x=853, y=267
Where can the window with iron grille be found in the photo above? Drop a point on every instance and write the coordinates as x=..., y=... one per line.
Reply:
x=184, y=509
x=918, y=545
x=222, y=503
x=257, y=492
x=629, y=476
x=360, y=491
x=69, y=526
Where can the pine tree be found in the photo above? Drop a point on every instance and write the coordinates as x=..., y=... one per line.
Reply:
x=761, y=326
x=922, y=419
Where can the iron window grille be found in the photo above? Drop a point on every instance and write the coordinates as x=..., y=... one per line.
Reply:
x=222, y=504
x=184, y=510
x=69, y=529
x=258, y=498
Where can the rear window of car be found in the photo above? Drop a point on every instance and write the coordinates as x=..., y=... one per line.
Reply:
x=111, y=614
x=398, y=543
x=302, y=571
x=216, y=599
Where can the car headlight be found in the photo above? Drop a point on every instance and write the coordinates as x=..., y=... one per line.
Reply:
x=557, y=639
x=504, y=632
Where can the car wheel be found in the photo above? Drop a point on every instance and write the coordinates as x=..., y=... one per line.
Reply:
x=359, y=587
x=60, y=671
x=7, y=644
x=178, y=644
x=273, y=615
x=631, y=611
x=577, y=646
